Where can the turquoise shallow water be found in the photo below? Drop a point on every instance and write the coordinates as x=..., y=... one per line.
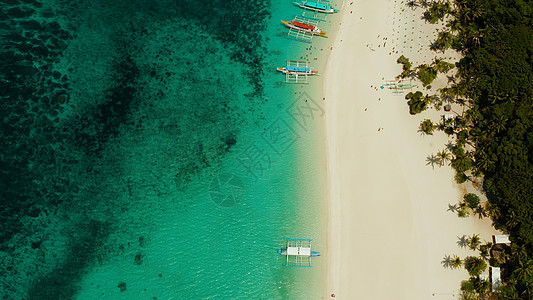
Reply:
x=157, y=155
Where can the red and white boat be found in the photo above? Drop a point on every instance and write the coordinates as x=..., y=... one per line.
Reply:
x=304, y=27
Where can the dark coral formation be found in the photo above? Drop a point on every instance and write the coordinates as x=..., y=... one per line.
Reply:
x=56, y=164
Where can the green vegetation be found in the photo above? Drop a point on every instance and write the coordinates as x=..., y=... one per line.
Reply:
x=437, y=10
x=406, y=66
x=494, y=82
x=444, y=41
x=456, y=262
x=460, y=178
x=417, y=102
x=475, y=265
x=474, y=241
x=427, y=127
x=444, y=157
x=468, y=290
x=426, y=74
x=442, y=66
x=472, y=200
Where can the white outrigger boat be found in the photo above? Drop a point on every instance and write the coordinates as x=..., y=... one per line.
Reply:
x=317, y=6
x=298, y=253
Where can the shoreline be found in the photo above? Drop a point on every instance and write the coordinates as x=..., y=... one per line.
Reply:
x=388, y=224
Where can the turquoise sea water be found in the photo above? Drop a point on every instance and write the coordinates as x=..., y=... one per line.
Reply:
x=151, y=151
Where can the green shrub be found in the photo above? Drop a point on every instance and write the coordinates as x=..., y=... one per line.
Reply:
x=449, y=130
x=472, y=200
x=460, y=178
x=467, y=286
x=485, y=248
x=416, y=102
x=404, y=61
x=462, y=162
x=406, y=66
x=462, y=212
x=426, y=74
x=427, y=127
x=480, y=286
x=442, y=66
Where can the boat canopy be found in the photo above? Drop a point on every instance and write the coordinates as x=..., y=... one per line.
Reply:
x=298, y=69
x=317, y=5
x=299, y=251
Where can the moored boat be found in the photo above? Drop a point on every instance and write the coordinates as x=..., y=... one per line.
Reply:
x=297, y=70
x=304, y=27
x=317, y=6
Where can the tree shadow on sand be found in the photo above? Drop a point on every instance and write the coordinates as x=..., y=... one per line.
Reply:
x=463, y=241
x=446, y=261
x=432, y=160
x=452, y=208
x=480, y=211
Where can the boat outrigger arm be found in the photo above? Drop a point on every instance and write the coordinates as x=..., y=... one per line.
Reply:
x=317, y=6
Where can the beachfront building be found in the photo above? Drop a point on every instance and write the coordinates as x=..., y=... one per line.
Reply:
x=501, y=239
x=495, y=278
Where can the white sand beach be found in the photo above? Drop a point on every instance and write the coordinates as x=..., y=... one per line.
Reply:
x=389, y=227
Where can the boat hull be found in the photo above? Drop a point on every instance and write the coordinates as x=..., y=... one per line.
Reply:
x=326, y=11
x=317, y=31
x=285, y=71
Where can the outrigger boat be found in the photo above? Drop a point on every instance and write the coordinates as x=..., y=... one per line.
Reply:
x=399, y=86
x=317, y=6
x=298, y=253
x=304, y=27
x=296, y=71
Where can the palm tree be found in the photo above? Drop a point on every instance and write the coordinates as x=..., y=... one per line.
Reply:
x=508, y=290
x=484, y=162
x=455, y=25
x=456, y=262
x=432, y=160
x=444, y=157
x=443, y=42
x=512, y=220
x=499, y=124
x=462, y=212
x=493, y=210
x=475, y=265
x=474, y=241
x=427, y=127
x=413, y=4
x=424, y=3
x=449, y=146
x=484, y=250
x=524, y=270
